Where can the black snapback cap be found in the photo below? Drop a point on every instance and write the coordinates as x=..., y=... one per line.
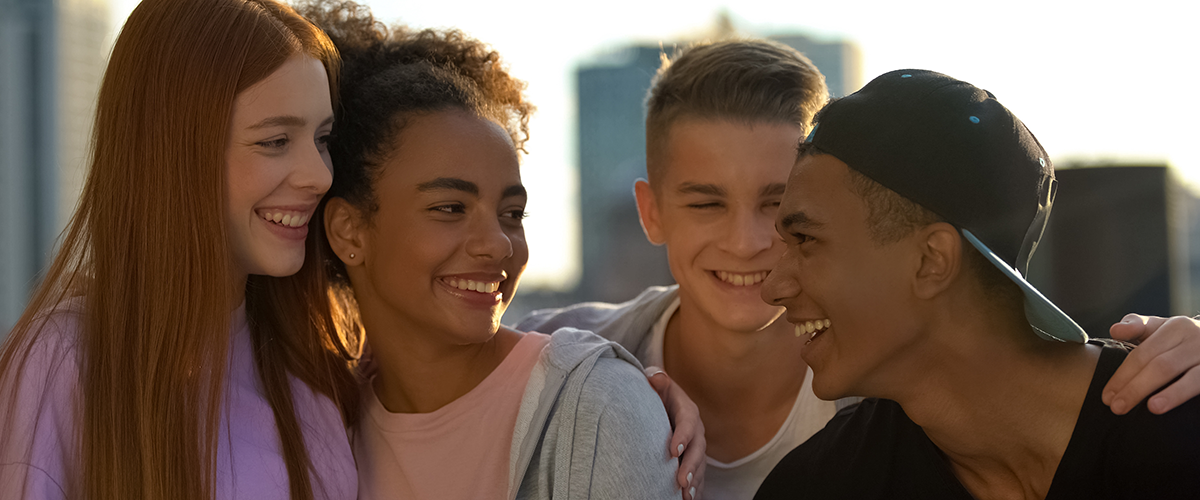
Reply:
x=954, y=149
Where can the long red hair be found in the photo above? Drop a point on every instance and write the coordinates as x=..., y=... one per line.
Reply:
x=147, y=254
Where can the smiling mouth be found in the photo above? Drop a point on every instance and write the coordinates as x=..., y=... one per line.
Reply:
x=741, y=279
x=284, y=218
x=813, y=329
x=474, y=286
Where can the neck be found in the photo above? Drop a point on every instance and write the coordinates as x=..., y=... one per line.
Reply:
x=745, y=383
x=999, y=402
x=419, y=371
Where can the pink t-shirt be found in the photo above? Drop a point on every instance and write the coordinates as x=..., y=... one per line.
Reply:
x=38, y=451
x=459, y=451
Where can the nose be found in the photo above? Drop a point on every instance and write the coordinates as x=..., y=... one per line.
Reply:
x=782, y=283
x=749, y=232
x=314, y=171
x=488, y=239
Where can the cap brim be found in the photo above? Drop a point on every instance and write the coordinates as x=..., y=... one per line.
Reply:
x=1047, y=320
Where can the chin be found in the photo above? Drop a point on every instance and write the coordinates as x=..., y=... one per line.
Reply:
x=748, y=319
x=826, y=389
x=281, y=268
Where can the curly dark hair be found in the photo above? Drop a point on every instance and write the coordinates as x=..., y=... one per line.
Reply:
x=390, y=74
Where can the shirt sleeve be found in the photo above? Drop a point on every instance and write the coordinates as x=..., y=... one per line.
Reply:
x=38, y=431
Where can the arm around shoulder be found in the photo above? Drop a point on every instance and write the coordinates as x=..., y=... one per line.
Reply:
x=631, y=432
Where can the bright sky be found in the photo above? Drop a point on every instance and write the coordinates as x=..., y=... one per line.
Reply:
x=1093, y=80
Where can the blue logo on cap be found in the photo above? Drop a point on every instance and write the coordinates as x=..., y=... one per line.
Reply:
x=974, y=119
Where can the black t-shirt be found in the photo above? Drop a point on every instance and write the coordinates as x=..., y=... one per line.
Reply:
x=873, y=451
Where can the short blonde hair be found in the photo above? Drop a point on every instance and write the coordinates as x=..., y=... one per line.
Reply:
x=740, y=80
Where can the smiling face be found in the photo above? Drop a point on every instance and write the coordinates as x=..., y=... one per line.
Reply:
x=277, y=166
x=714, y=207
x=833, y=272
x=446, y=247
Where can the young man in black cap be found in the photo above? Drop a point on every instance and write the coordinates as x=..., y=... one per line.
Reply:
x=909, y=219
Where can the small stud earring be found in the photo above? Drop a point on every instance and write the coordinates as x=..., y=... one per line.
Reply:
x=351, y=256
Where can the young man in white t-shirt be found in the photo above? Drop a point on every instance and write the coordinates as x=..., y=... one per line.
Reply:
x=722, y=126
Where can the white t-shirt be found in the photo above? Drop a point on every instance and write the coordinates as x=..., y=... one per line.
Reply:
x=739, y=479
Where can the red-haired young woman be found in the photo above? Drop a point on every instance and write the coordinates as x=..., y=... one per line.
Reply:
x=181, y=344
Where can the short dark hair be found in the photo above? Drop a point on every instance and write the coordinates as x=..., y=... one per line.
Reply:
x=741, y=80
x=892, y=217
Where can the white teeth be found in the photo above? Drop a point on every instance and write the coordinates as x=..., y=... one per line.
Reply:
x=741, y=279
x=288, y=220
x=812, y=328
x=474, y=286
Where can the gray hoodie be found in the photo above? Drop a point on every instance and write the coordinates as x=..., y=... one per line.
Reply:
x=590, y=426
x=628, y=323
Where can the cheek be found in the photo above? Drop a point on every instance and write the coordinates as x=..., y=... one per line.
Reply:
x=249, y=180
x=520, y=247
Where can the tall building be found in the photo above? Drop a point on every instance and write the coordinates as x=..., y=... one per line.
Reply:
x=52, y=53
x=1120, y=239
x=618, y=262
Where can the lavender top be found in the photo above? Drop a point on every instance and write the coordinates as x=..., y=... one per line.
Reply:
x=39, y=435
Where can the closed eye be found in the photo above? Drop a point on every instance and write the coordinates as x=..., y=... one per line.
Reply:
x=801, y=238
x=704, y=206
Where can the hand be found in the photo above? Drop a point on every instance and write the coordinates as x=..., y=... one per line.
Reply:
x=687, y=442
x=1167, y=348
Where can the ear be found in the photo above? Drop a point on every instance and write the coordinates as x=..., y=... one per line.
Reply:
x=648, y=213
x=941, y=259
x=344, y=226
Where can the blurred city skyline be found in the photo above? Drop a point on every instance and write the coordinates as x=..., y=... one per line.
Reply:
x=1102, y=83
x=1095, y=82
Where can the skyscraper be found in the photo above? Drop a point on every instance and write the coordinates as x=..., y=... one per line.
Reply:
x=52, y=54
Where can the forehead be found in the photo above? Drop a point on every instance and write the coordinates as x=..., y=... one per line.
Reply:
x=452, y=143
x=819, y=187
x=728, y=152
x=299, y=87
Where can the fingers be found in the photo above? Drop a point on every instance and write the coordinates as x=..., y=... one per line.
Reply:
x=659, y=380
x=1136, y=328
x=1170, y=348
x=1186, y=388
x=696, y=490
x=687, y=439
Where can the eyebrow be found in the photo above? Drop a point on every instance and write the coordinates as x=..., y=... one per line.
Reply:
x=773, y=189
x=513, y=191
x=452, y=183
x=282, y=120
x=799, y=219
x=707, y=189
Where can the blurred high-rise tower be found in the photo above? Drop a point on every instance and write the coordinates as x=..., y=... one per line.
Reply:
x=52, y=55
